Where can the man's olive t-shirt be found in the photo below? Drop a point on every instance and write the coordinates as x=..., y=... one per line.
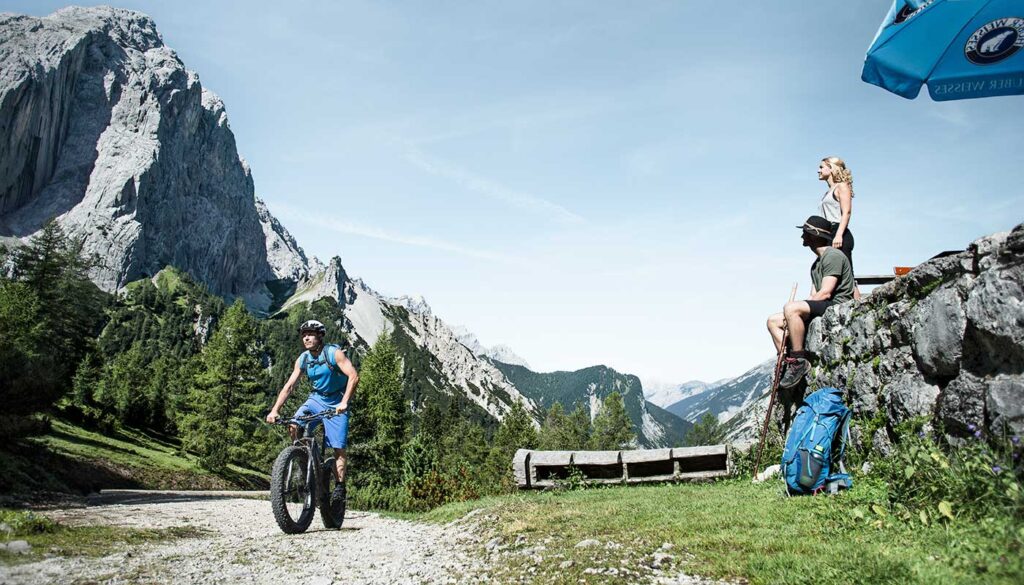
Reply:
x=834, y=263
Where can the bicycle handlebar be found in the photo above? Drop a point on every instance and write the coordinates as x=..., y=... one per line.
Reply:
x=324, y=414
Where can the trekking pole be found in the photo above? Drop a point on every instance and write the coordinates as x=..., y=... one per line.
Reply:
x=775, y=384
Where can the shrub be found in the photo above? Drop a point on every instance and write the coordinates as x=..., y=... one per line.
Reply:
x=24, y=523
x=980, y=479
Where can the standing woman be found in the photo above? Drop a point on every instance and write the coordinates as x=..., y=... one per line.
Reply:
x=837, y=206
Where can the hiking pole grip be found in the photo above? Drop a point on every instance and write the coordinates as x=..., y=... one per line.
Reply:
x=775, y=384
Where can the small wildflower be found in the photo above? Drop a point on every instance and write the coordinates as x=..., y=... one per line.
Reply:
x=1016, y=440
x=977, y=434
x=996, y=469
x=920, y=434
x=971, y=427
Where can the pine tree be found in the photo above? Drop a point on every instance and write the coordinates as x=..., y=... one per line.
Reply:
x=383, y=416
x=707, y=431
x=552, y=431
x=579, y=429
x=71, y=306
x=53, y=311
x=27, y=382
x=612, y=427
x=515, y=432
x=228, y=396
x=561, y=432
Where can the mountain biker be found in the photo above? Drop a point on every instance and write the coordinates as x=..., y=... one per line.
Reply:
x=334, y=380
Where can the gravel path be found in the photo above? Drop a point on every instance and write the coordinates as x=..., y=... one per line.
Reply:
x=244, y=545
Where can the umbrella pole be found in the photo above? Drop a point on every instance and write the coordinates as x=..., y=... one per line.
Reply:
x=775, y=385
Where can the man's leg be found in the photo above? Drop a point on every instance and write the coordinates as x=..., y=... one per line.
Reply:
x=797, y=365
x=339, y=465
x=796, y=312
x=775, y=324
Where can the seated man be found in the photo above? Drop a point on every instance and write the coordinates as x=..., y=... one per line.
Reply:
x=832, y=282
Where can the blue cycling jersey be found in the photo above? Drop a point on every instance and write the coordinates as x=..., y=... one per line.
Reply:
x=323, y=373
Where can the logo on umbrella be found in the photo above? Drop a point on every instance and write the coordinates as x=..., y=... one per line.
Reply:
x=995, y=41
x=908, y=10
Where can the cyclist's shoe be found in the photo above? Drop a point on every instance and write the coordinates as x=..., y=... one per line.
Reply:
x=796, y=369
x=338, y=501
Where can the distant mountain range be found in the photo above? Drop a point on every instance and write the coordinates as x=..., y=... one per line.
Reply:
x=588, y=387
x=732, y=400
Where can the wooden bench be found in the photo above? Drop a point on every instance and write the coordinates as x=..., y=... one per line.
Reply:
x=896, y=271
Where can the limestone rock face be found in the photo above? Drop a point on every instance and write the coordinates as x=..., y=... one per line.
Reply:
x=287, y=260
x=104, y=129
x=945, y=342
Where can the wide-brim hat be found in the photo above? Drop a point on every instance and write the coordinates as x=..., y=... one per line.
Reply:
x=817, y=227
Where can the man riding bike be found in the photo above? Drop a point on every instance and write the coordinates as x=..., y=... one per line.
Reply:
x=334, y=380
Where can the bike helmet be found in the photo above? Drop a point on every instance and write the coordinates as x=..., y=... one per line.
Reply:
x=314, y=326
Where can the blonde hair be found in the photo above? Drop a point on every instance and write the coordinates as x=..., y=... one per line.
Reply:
x=840, y=174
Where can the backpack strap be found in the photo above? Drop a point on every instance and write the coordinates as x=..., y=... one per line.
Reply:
x=841, y=480
x=329, y=358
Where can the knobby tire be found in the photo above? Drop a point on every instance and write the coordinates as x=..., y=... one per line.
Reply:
x=288, y=486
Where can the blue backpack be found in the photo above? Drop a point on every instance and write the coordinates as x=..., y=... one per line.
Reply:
x=808, y=462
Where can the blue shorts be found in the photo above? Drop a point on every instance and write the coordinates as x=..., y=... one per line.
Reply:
x=335, y=428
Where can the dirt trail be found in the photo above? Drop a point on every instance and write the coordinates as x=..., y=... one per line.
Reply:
x=244, y=545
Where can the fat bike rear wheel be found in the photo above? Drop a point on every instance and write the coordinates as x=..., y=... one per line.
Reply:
x=293, y=490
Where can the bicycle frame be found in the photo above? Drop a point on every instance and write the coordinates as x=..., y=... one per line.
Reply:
x=315, y=449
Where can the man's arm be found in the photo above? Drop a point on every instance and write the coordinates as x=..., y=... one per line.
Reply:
x=828, y=285
x=349, y=370
x=286, y=390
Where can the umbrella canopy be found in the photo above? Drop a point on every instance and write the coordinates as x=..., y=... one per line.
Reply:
x=961, y=48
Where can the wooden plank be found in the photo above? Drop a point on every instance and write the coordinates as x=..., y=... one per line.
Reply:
x=703, y=474
x=617, y=480
x=596, y=458
x=651, y=479
x=646, y=455
x=873, y=278
x=550, y=458
x=684, y=452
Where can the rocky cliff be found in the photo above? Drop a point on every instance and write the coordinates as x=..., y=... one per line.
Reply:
x=945, y=342
x=105, y=129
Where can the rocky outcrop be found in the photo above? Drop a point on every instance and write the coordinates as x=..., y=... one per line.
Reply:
x=105, y=130
x=943, y=343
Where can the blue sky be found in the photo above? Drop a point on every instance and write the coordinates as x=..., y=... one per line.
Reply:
x=592, y=182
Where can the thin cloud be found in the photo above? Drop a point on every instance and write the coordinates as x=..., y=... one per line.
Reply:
x=347, y=227
x=490, y=189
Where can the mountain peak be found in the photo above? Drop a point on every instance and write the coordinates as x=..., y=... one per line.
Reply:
x=413, y=303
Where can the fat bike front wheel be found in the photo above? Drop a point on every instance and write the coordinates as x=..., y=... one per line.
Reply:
x=293, y=490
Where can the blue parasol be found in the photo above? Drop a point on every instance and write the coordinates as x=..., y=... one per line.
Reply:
x=961, y=48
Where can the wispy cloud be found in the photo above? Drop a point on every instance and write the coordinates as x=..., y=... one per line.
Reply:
x=951, y=113
x=347, y=227
x=490, y=189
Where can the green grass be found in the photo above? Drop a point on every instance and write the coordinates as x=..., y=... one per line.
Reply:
x=741, y=531
x=47, y=537
x=70, y=458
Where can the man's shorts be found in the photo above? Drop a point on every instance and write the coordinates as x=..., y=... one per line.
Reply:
x=335, y=428
x=818, y=308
